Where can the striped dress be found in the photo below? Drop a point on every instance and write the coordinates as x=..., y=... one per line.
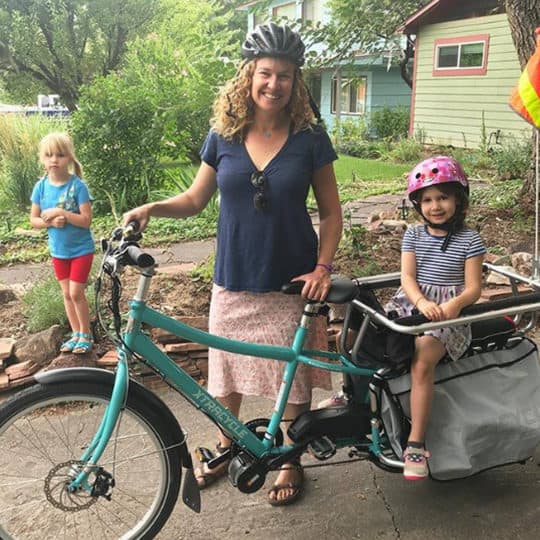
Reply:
x=440, y=276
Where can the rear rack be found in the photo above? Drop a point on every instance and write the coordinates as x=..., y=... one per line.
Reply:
x=516, y=304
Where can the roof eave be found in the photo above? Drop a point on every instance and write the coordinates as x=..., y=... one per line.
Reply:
x=410, y=26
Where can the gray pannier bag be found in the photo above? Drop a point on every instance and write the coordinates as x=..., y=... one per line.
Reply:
x=485, y=413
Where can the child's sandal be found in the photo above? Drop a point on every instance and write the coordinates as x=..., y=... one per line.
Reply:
x=83, y=345
x=71, y=343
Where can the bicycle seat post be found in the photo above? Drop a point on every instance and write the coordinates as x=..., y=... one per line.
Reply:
x=311, y=309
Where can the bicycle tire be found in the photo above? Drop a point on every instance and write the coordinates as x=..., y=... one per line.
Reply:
x=45, y=428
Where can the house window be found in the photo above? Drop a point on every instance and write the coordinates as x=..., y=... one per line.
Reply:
x=311, y=10
x=285, y=10
x=461, y=56
x=352, y=93
x=259, y=18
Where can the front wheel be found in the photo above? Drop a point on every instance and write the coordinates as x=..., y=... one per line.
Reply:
x=44, y=431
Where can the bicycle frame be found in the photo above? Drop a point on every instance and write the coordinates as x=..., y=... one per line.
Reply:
x=136, y=342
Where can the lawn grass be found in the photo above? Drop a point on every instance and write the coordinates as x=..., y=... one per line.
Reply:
x=359, y=178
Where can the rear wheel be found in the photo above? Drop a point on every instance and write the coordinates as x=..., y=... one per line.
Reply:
x=45, y=429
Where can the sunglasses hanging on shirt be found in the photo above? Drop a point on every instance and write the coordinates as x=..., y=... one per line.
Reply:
x=259, y=181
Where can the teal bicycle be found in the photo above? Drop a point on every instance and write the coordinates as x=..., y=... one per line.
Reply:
x=88, y=453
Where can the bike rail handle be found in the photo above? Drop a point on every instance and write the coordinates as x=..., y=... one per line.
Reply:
x=481, y=312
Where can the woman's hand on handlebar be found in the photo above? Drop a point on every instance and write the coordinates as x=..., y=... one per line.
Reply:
x=317, y=284
x=141, y=214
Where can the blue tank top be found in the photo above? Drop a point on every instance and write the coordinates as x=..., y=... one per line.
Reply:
x=260, y=250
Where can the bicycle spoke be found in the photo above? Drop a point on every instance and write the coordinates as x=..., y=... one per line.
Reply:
x=43, y=447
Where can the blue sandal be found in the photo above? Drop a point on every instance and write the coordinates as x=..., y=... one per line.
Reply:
x=71, y=343
x=82, y=347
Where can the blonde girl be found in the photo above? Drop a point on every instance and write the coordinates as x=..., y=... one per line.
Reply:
x=61, y=204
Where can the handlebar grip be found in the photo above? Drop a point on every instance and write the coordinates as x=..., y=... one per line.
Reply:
x=138, y=257
x=132, y=227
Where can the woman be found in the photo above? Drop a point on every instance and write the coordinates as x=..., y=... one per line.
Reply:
x=263, y=153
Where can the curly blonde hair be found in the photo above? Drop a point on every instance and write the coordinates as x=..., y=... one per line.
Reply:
x=233, y=107
x=60, y=142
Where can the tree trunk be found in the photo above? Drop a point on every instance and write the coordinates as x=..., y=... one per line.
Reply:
x=524, y=18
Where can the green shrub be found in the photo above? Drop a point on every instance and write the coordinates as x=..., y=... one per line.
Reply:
x=406, y=150
x=390, y=123
x=349, y=130
x=19, y=162
x=512, y=159
x=44, y=305
x=156, y=109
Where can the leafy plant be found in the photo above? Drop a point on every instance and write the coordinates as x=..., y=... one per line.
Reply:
x=19, y=163
x=406, y=150
x=354, y=237
x=512, y=159
x=44, y=305
x=204, y=272
x=390, y=122
x=156, y=109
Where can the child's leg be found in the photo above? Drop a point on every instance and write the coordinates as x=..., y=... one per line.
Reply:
x=428, y=353
x=80, y=306
x=78, y=277
x=62, y=269
x=71, y=313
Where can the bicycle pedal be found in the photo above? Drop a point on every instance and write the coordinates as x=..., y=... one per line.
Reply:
x=204, y=455
x=322, y=448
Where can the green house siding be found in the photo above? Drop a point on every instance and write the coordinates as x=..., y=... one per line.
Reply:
x=384, y=88
x=389, y=89
x=453, y=109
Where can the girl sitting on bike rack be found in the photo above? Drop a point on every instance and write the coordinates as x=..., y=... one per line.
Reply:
x=263, y=154
x=441, y=273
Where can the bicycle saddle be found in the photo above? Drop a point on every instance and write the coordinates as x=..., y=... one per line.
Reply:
x=342, y=289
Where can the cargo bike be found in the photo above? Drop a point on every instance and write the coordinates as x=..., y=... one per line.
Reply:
x=94, y=454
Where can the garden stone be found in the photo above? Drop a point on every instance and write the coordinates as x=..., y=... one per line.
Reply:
x=6, y=347
x=494, y=278
x=41, y=347
x=522, y=262
x=7, y=295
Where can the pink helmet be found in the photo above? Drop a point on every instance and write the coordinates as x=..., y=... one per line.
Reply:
x=436, y=170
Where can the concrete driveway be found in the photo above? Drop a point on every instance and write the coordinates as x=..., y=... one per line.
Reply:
x=360, y=501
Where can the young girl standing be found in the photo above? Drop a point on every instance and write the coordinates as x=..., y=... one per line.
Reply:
x=61, y=204
x=441, y=273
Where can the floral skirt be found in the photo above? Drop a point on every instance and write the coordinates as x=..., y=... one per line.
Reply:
x=266, y=318
x=456, y=339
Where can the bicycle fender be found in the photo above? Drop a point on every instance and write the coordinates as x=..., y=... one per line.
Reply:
x=106, y=378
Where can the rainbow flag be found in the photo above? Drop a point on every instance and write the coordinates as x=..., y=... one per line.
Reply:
x=525, y=97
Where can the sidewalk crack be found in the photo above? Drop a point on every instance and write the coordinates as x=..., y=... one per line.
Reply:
x=382, y=497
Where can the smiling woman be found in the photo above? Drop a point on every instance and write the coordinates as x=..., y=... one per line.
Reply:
x=264, y=153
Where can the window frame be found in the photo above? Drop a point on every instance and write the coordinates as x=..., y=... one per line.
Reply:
x=317, y=7
x=348, y=80
x=276, y=8
x=460, y=41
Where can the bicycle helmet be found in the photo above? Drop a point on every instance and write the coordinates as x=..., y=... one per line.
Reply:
x=434, y=171
x=275, y=41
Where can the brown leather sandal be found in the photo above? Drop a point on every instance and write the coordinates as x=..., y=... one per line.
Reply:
x=204, y=475
x=296, y=487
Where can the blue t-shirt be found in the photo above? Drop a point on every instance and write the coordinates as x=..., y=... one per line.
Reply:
x=69, y=241
x=260, y=250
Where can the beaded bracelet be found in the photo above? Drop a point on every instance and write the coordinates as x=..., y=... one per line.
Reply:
x=328, y=267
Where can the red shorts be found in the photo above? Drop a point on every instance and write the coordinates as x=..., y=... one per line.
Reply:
x=77, y=269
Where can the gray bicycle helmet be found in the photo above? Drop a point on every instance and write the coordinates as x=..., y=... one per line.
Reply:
x=275, y=41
